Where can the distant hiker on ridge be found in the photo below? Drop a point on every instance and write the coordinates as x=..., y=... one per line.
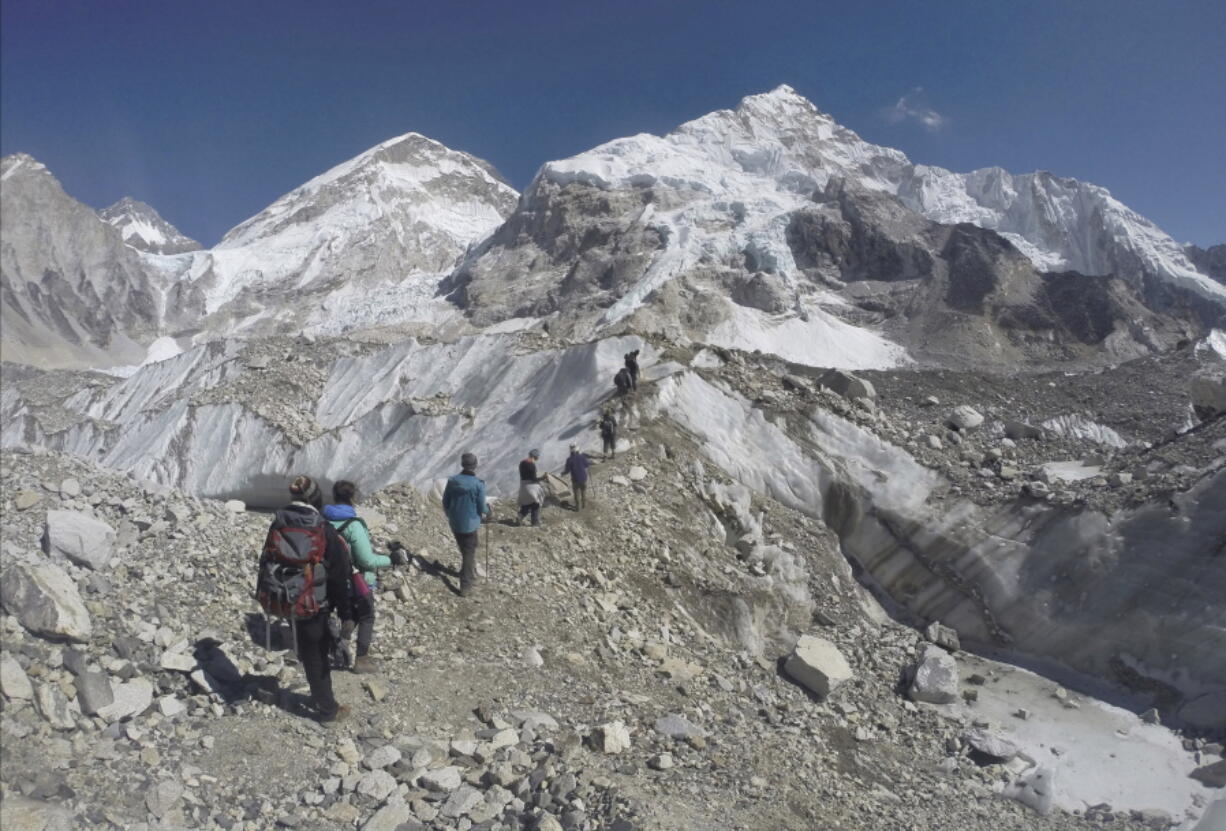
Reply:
x=304, y=575
x=352, y=528
x=608, y=434
x=465, y=504
x=622, y=381
x=632, y=367
x=576, y=468
x=531, y=492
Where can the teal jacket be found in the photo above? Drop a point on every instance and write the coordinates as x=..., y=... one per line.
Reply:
x=356, y=534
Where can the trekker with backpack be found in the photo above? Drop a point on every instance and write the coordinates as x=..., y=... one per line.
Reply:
x=531, y=492
x=608, y=434
x=622, y=381
x=632, y=368
x=303, y=575
x=576, y=468
x=465, y=504
x=352, y=528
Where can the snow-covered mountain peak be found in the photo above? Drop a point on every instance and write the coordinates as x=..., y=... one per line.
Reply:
x=144, y=229
x=20, y=164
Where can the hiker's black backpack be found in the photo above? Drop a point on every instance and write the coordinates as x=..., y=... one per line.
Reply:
x=293, y=580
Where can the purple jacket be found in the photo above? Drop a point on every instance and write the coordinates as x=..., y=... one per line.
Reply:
x=576, y=467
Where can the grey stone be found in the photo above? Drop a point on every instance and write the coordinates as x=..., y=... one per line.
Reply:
x=162, y=797
x=1018, y=430
x=94, y=691
x=996, y=748
x=964, y=418
x=612, y=737
x=390, y=817
x=25, y=500
x=377, y=784
x=1213, y=775
x=846, y=384
x=817, y=665
x=943, y=636
x=131, y=699
x=81, y=538
x=441, y=779
x=677, y=726
x=70, y=488
x=14, y=682
x=936, y=677
x=45, y=599
x=382, y=757
x=461, y=801
x=53, y=707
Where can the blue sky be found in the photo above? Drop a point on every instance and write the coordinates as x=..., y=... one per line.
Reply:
x=211, y=110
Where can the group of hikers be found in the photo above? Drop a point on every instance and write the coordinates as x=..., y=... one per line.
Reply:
x=319, y=558
x=627, y=378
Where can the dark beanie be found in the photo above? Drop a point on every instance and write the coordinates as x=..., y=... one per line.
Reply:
x=304, y=489
x=468, y=461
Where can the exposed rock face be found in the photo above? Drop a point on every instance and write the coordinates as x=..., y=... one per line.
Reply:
x=144, y=229
x=737, y=224
x=46, y=601
x=71, y=292
x=1210, y=261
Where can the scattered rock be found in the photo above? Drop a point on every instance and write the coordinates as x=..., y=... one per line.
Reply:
x=964, y=418
x=25, y=500
x=991, y=748
x=235, y=506
x=936, y=677
x=636, y=473
x=130, y=699
x=441, y=779
x=846, y=384
x=817, y=665
x=14, y=682
x=45, y=599
x=943, y=636
x=94, y=692
x=81, y=538
x=677, y=726
x=1213, y=775
x=611, y=738
x=163, y=797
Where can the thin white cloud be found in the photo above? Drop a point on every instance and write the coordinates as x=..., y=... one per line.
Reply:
x=914, y=107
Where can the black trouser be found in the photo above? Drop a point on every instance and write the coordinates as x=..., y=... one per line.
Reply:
x=533, y=508
x=610, y=444
x=468, y=554
x=580, y=489
x=364, y=614
x=313, y=643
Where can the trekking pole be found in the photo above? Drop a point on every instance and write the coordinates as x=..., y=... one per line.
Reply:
x=488, y=574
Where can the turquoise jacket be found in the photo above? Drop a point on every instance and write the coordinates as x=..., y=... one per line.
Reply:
x=356, y=534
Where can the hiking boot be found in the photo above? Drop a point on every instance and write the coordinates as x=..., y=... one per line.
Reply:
x=341, y=714
x=365, y=665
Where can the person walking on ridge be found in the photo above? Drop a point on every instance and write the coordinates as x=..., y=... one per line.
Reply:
x=352, y=528
x=608, y=434
x=465, y=505
x=531, y=492
x=632, y=368
x=576, y=468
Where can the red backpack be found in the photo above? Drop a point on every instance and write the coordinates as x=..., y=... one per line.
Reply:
x=292, y=581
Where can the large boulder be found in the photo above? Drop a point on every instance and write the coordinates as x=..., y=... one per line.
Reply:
x=81, y=538
x=936, y=677
x=1209, y=393
x=130, y=699
x=46, y=601
x=964, y=418
x=846, y=384
x=817, y=665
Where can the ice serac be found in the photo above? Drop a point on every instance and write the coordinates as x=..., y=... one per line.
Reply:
x=363, y=244
x=144, y=229
x=761, y=227
x=71, y=292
